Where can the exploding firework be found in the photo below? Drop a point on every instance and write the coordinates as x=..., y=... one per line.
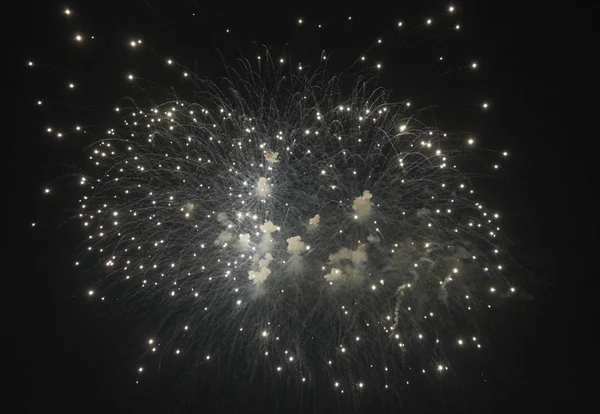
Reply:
x=302, y=221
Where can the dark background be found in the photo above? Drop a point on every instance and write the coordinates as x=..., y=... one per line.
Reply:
x=537, y=69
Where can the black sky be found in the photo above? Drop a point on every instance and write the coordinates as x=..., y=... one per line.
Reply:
x=538, y=67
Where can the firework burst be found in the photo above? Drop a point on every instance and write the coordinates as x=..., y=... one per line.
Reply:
x=302, y=221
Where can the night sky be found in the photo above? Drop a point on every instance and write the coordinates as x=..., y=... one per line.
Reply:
x=67, y=354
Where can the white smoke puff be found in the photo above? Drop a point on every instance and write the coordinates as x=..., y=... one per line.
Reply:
x=188, y=209
x=268, y=227
x=224, y=237
x=266, y=261
x=343, y=254
x=360, y=255
x=222, y=218
x=334, y=274
x=272, y=156
x=263, y=270
x=295, y=245
x=357, y=256
x=244, y=241
x=362, y=205
x=267, y=241
x=313, y=223
x=263, y=188
x=259, y=276
x=373, y=239
x=295, y=264
x=341, y=258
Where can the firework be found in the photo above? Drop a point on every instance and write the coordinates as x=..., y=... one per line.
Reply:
x=315, y=230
